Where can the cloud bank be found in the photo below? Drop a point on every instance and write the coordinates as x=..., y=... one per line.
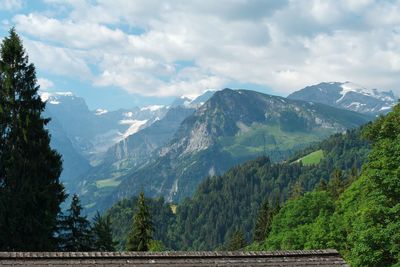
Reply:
x=169, y=48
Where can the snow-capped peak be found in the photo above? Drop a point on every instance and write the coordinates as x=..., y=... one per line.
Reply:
x=152, y=108
x=53, y=96
x=352, y=87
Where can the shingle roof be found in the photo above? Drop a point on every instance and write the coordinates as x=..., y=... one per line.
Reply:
x=113, y=259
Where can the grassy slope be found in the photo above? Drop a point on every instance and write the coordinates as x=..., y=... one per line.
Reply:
x=265, y=138
x=312, y=158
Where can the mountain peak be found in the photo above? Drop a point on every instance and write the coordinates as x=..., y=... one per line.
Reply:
x=348, y=95
x=53, y=97
x=193, y=102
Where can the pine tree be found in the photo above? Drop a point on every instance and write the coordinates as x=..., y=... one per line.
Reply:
x=336, y=184
x=297, y=190
x=30, y=189
x=75, y=234
x=237, y=241
x=322, y=185
x=141, y=233
x=263, y=222
x=101, y=232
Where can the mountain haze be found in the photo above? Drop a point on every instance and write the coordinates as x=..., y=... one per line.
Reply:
x=83, y=136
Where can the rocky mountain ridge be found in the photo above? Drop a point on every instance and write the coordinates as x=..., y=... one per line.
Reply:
x=348, y=96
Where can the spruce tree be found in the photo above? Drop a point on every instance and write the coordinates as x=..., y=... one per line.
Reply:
x=237, y=241
x=336, y=184
x=75, y=234
x=263, y=222
x=30, y=189
x=101, y=233
x=141, y=233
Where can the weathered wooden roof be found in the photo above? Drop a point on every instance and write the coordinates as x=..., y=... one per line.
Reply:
x=113, y=259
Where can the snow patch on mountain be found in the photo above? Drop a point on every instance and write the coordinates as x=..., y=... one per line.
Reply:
x=352, y=87
x=100, y=111
x=152, y=108
x=53, y=97
x=135, y=126
x=348, y=95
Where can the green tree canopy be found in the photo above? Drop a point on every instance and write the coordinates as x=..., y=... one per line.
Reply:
x=237, y=241
x=102, y=234
x=362, y=219
x=75, y=234
x=264, y=221
x=370, y=207
x=30, y=189
x=141, y=233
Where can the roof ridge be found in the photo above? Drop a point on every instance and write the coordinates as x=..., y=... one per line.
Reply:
x=170, y=254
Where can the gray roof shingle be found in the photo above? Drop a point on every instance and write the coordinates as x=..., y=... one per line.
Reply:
x=182, y=259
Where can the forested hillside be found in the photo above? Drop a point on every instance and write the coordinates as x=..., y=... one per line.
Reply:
x=362, y=218
x=224, y=204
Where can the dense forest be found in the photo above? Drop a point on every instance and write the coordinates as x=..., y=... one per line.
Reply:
x=362, y=219
x=223, y=205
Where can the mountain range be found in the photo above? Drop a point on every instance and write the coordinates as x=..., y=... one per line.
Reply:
x=168, y=150
x=84, y=137
x=231, y=127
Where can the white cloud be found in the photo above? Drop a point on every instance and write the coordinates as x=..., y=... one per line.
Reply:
x=284, y=45
x=58, y=60
x=45, y=83
x=10, y=4
x=67, y=32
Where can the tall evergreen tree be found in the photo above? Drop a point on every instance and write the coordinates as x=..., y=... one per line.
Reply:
x=237, y=241
x=297, y=190
x=263, y=222
x=30, y=189
x=75, y=234
x=336, y=184
x=101, y=232
x=141, y=233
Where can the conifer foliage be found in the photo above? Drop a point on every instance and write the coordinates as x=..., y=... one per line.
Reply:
x=237, y=241
x=101, y=233
x=75, y=231
x=140, y=235
x=264, y=221
x=30, y=189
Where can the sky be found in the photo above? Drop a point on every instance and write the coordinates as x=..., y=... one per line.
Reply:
x=118, y=53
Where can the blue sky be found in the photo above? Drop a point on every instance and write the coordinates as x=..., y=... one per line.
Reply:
x=134, y=53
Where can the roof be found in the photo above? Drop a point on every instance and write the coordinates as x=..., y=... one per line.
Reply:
x=328, y=257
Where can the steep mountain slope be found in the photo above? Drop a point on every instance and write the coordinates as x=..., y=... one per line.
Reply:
x=348, y=96
x=229, y=128
x=137, y=149
x=130, y=153
x=74, y=164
